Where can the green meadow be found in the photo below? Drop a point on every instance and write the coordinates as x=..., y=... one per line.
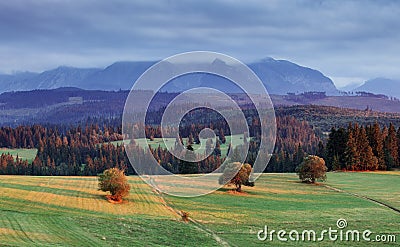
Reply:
x=30, y=154
x=198, y=148
x=70, y=211
x=23, y=153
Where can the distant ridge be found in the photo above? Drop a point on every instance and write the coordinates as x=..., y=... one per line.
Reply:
x=278, y=76
x=385, y=86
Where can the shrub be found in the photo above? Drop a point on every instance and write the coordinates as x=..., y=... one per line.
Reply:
x=114, y=181
x=311, y=169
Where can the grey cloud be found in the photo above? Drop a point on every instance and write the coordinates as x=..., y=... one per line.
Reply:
x=341, y=38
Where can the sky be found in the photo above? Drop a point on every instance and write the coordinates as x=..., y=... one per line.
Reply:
x=348, y=41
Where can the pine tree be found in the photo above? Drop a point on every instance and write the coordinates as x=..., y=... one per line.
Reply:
x=376, y=142
x=217, y=150
x=398, y=144
x=336, y=146
x=281, y=161
x=298, y=156
x=391, y=148
x=367, y=159
x=336, y=164
x=321, y=150
x=351, y=154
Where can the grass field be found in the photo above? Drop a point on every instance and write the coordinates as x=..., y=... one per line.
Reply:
x=23, y=153
x=70, y=211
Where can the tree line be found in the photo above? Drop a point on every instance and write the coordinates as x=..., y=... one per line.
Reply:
x=76, y=151
x=363, y=148
x=85, y=150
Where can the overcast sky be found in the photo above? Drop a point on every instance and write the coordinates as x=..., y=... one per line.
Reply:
x=349, y=41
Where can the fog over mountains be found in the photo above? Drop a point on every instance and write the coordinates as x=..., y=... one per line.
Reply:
x=279, y=77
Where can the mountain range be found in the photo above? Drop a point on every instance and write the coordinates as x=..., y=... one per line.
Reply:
x=384, y=86
x=279, y=77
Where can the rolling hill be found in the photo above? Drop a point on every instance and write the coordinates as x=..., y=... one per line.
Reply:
x=70, y=105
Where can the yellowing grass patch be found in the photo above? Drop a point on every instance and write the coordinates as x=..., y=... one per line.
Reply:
x=59, y=194
x=11, y=233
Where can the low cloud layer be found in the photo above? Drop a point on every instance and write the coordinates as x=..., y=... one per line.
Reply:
x=346, y=40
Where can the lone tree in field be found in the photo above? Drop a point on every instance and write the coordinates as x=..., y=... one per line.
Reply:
x=240, y=178
x=311, y=169
x=114, y=180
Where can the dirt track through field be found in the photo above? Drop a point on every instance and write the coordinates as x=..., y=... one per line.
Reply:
x=196, y=224
x=364, y=197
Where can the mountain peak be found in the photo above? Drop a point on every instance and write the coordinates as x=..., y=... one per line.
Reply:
x=381, y=85
x=282, y=76
x=267, y=60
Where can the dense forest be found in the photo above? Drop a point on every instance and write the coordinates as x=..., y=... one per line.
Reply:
x=77, y=151
x=363, y=148
x=85, y=149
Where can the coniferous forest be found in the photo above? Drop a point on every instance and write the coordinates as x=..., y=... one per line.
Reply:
x=86, y=149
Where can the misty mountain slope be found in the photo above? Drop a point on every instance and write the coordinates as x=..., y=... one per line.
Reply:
x=60, y=77
x=119, y=75
x=279, y=77
x=381, y=86
x=350, y=87
x=15, y=81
